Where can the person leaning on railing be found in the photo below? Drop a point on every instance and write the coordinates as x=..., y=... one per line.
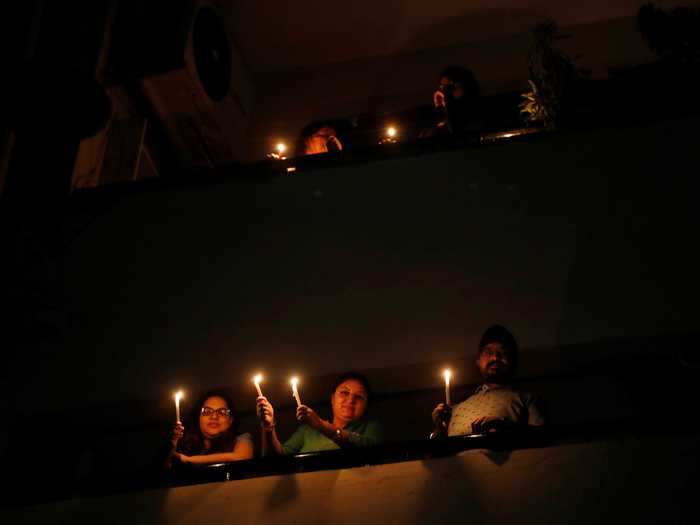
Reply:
x=212, y=437
x=495, y=405
x=348, y=428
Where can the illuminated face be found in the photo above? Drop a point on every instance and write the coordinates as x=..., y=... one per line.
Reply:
x=214, y=417
x=318, y=142
x=349, y=401
x=495, y=364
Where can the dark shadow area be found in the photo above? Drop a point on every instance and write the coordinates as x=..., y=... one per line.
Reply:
x=335, y=261
x=389, y=256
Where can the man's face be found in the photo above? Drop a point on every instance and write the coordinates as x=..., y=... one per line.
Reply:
x=495, y=364
x=448, y=85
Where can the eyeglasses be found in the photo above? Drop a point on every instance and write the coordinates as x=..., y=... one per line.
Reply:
x=221, y=412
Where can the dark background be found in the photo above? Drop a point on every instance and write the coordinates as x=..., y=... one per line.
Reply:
x=580, y=242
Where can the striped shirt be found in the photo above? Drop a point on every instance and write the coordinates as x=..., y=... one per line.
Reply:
x=497, y=401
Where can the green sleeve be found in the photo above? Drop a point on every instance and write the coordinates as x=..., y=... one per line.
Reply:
x=293, y=444
x=367, y=434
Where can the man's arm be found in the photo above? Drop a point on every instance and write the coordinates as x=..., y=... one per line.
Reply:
x=535, y=414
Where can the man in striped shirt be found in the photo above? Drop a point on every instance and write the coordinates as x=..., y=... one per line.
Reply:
x=494, y=405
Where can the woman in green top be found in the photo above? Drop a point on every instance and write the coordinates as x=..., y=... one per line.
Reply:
x=349, y=427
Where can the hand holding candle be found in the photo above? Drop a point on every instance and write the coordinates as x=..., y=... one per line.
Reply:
x=257, y=380
x=447, y=374
x=295, y=381
x=178, y=395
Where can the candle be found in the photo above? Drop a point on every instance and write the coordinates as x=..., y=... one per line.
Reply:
x=178, y=396
x=295, y=392
x=257, y=380
x=447, y=374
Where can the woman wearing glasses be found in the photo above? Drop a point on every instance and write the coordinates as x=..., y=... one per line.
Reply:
x=214, y=438
x=347, y=428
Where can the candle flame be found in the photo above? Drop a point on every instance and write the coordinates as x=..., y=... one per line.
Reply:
x=391, y=132
x=179, y=395
x=294, y=381
x=281, y=147
x=447, y=374
x=258, y=379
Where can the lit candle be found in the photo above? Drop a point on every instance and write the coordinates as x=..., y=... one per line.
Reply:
x=391, y=132
x=281, y=147
x=447, y=374
x=178, y=395
x=257, y=380
x=295, y=392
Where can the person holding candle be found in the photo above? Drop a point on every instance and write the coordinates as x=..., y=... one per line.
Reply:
x=456, y=103
x=319, y=137
x=348, y=428
x=494, y=405
x=213, y=438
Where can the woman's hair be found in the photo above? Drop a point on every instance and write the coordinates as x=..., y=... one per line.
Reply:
x=464, y=77
x=355, y=376
x=193, y=441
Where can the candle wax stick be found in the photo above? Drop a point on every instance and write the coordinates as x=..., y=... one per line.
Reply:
x=177, y=406
x=257, y=380
x=295, y=392
x=447, y=374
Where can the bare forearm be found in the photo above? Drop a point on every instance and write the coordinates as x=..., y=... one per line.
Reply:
x=168, y=463
x=170, y=457
x=242, y=450
x=222, y=457
x=338, y=435
x=271, y=443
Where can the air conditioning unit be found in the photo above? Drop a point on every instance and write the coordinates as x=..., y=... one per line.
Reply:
x=190, y=73
x=121, y=151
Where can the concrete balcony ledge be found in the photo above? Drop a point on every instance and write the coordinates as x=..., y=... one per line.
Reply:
x=630, y=476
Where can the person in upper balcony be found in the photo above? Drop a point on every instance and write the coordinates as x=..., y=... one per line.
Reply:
x=495, y=405
x=456, y=103
x=349, y=426
x=319, y=137
x=213, y=438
